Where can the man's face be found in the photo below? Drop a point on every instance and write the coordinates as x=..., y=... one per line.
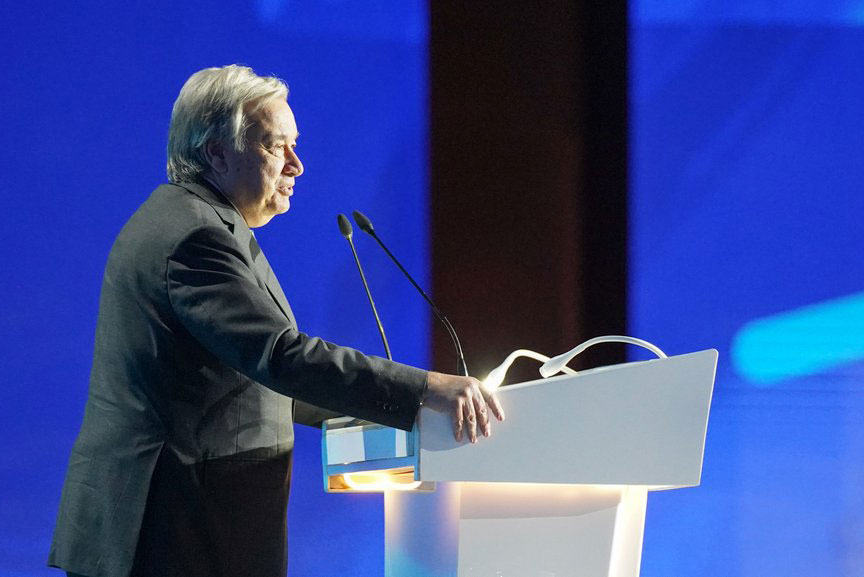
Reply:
x=260, y=180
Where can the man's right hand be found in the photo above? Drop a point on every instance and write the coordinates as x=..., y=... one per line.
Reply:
x=465, y=401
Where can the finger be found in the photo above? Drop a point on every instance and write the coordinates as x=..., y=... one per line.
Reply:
x=494, y=404
x=458, y=427
x=482, y=414
x=470, y=419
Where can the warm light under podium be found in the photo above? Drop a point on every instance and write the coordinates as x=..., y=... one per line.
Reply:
x=558, y=490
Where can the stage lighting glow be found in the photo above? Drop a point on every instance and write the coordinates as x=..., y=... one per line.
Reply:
x=380, y=481
x=496, y=375
x=801, y=342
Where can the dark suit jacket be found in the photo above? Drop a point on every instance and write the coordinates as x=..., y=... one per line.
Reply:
x=182, y=465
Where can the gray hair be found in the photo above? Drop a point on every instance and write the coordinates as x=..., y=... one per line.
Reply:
x=211, y=107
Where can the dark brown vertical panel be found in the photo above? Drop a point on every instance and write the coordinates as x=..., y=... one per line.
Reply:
x=528, y=177
x=606, y=182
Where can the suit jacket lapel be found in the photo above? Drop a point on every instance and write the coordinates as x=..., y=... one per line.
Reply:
x=237, y=225
x=265, y=272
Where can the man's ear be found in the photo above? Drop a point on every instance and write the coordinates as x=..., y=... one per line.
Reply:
x=214, y=152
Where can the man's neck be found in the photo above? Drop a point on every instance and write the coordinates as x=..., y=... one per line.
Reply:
x=225, y=196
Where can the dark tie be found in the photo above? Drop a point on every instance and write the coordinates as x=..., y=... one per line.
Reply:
x=254, y=248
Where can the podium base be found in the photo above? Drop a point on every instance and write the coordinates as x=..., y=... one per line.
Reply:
x=515, y=530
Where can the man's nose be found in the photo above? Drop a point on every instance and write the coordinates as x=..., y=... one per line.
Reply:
x=293, y=166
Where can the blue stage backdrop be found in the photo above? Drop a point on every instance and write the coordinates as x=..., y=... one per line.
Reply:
x=87, y=95
x=747, y=123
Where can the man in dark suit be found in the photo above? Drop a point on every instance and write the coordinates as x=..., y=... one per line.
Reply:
x=182, y=466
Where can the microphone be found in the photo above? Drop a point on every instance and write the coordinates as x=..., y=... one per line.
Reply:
x=348, y=232
x=366, y=226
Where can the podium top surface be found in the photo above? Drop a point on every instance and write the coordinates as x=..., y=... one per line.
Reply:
x=640, y=423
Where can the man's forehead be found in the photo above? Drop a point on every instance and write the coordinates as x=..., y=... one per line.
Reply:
x=276, y=119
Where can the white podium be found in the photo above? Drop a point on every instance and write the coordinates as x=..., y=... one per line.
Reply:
x=558, y=490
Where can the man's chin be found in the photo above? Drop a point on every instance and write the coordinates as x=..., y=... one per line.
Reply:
x=261, y=219
x=280, y=203
x=282, y=207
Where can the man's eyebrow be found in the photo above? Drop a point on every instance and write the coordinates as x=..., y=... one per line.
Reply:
x=281, y=136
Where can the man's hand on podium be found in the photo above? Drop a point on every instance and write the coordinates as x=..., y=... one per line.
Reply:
x=465, y=401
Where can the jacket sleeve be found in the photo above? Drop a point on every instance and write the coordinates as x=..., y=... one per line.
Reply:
x=313, y=416
x=214, y=293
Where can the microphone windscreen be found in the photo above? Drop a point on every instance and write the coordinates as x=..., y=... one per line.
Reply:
x=364, y=223
x=344, y=226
